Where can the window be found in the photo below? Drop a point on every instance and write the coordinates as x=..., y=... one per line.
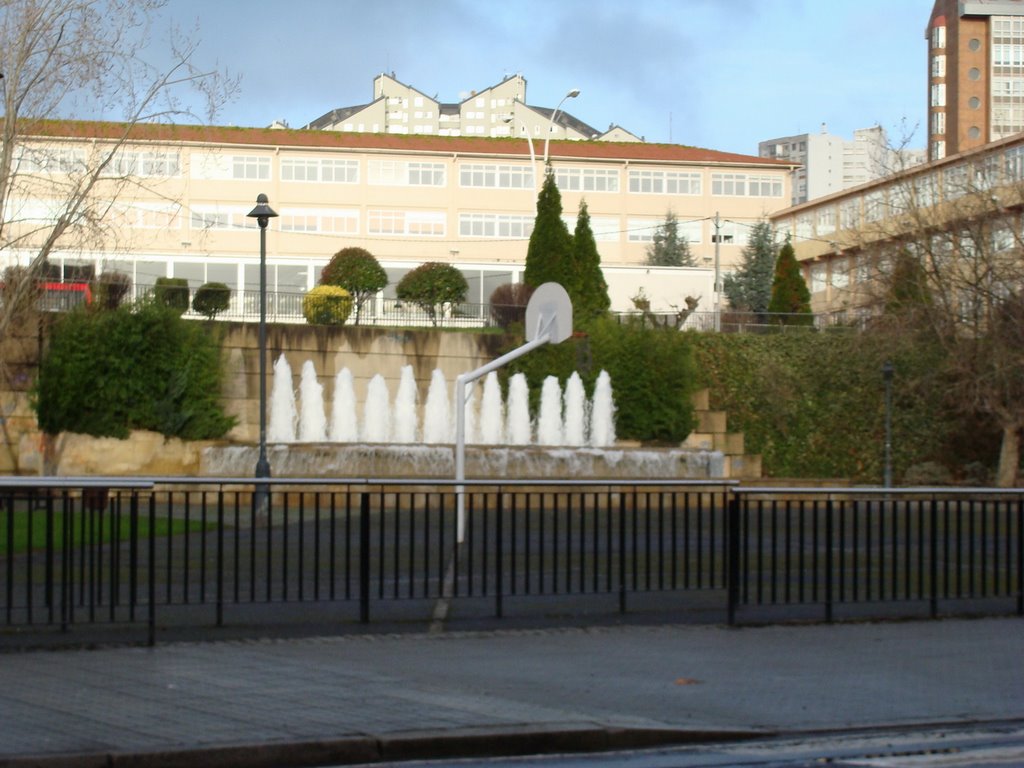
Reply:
x=954, y=182
x=804, y=226
x=938, y=94
x=874, y=206
x=732, y=232
x=849, y=214
x=664, y=182
x=213, y=217
x=336, y=222
x=394, y=222
x=320, y=170
x=840, y=272
x=819, y=277
x=939, y=65
x=587, y=179
x=739, y=184
x=938, y=122
x=938, y=37
x=151, y=216
x=402, y=173
x=496, y=176
x=826, y=220
x=250, y=167
x=495, y=225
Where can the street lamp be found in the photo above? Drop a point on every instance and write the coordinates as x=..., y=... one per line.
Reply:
x=887, y=372
x=551, y=125
x=263, y=213
x=511, y=120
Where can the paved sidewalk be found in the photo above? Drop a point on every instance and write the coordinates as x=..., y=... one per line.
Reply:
x=366, y=698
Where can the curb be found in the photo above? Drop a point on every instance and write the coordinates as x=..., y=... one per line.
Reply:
x=405, y=745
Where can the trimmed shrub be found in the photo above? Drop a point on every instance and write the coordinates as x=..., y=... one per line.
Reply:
x=110, y=289
x=434, y=287
x=508, y=303
x=141, y=367
x=327, y=305
x=211, y=299
x=358, y=272
x=171, y=292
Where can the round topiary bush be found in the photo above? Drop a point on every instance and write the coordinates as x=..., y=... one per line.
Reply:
x=211, y=299
x=172, y=292
x=327, y=305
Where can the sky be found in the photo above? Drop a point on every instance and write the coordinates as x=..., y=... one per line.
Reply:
x=718, y=74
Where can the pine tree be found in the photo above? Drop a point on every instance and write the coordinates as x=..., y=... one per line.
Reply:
x=549, y=255
x=589, y=292
x=790, y=296
x=669, y=249
x=750, y=287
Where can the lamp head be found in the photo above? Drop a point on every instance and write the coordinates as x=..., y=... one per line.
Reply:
x=262, y=211
x=573, y=93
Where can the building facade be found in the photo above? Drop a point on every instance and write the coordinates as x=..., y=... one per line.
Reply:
x=975, y=74
x=183, y=194
x=499, y=110
x=955, y=206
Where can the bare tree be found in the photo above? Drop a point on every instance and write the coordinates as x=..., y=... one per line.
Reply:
x=945, y=247
x=63, y=61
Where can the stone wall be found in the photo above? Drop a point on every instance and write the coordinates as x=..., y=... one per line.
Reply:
x=364, y=351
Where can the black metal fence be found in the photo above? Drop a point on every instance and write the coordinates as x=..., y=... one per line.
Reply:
x=198, y=553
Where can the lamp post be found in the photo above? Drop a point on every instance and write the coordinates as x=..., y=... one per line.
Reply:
x=262, y=213
x=511, y=120
x=551, y=125
x=887, y=372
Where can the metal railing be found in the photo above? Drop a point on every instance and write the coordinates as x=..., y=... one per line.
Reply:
x=286, y=307
x=157, y=554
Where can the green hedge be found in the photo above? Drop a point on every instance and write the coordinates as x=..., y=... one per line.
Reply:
x=813, y=405
x=142, y=367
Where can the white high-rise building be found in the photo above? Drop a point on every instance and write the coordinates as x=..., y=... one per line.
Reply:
x=830, y=163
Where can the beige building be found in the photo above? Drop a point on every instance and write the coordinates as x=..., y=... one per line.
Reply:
x=497, y=111
x=184, y=194
x=975, y=74
x=843, y=241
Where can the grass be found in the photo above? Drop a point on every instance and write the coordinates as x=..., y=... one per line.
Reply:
x=29, y=529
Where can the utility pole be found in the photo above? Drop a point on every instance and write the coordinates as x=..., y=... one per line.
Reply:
x=717, y=239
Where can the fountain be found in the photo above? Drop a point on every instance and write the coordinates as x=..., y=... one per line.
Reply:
x=570, y=438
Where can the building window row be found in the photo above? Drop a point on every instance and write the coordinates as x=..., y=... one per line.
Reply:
x=405, y=223
x=587, y=179
x=495, y=225
x=320, y=169
x=405, y=173
x=664, y=182
x=741, y=184
x=495, y=176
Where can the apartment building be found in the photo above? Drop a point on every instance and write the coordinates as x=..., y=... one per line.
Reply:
x=975, y=74
x=846, y=240
x=830, y=163
x=183, y=194
x=498, y=110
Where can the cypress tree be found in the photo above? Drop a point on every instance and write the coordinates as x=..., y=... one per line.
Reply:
x=750, y=287
x=549, y=255
x=789, y=291
x=589, y=292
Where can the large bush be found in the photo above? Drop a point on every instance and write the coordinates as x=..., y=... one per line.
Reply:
x=652, y=373
x=358, y=272
x=327, y=305
x=813, y=405
x=434, y=287
x=142, y=367
x=211, y=299
x=110, y=289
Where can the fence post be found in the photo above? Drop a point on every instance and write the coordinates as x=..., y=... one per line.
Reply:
x=829, y=559
x=364, y=557
x=1020, y=555
x=934, y=565
x=732, y=584
x=622, y=552
x=499, y=557
x=152, y=568
x=220, y=557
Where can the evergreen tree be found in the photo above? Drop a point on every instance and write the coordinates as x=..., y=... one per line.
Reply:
x=669, y=249
x=589, y=292
x=750, y=287
x=790, y=296
x=549, y=255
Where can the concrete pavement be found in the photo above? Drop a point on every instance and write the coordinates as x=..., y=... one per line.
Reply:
x=363, y=698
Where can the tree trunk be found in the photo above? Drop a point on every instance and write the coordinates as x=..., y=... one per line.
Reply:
x=1009, y=456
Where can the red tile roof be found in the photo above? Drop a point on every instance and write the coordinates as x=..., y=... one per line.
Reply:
x=591, y=150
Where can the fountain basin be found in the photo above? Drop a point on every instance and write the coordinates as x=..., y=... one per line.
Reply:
x=384, y=460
